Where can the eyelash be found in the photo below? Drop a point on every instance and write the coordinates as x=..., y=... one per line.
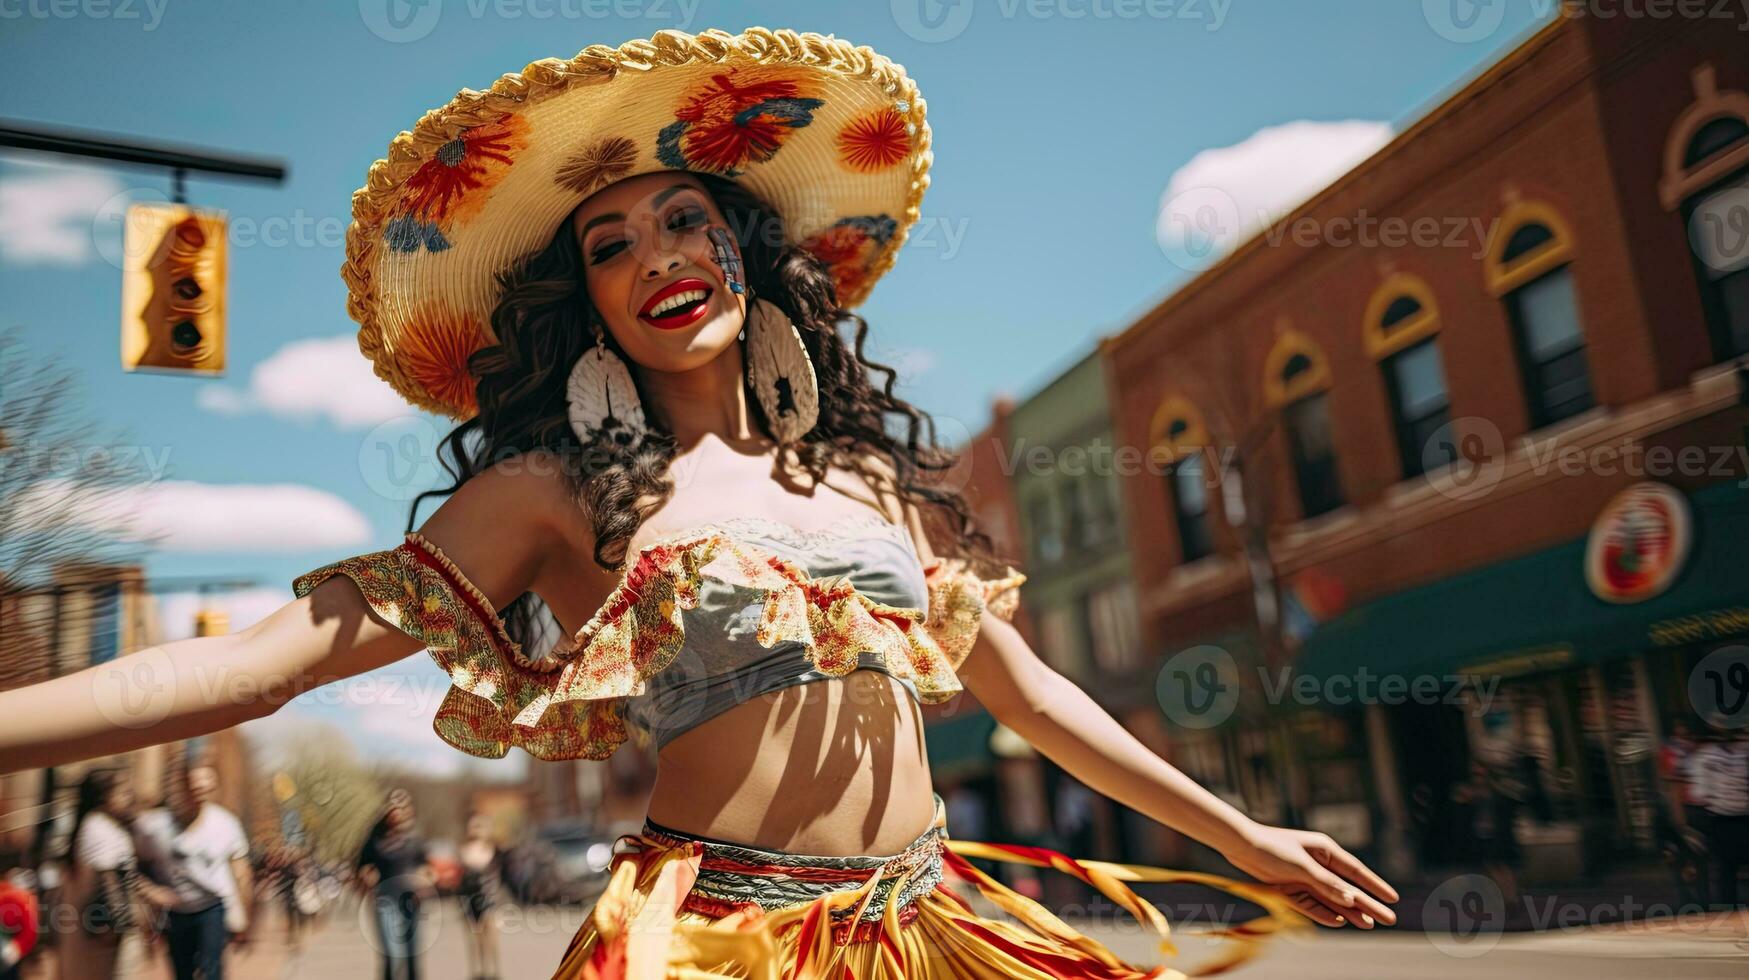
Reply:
x=694, y=215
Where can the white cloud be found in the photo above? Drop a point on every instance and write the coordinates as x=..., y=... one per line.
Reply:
x=1223, y=195
x=47, y=215
x=243, y=608
x=182, y=515
x=325, y=377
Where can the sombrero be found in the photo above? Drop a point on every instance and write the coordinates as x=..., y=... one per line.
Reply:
x=831, y=134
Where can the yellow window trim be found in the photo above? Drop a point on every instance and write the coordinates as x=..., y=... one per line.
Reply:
x=1381, y=343
x=1503, y=277
x=1679, y=184
x=1276, y=390
x=1195, y=436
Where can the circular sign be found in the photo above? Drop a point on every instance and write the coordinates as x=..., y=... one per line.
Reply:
x=1638, y=544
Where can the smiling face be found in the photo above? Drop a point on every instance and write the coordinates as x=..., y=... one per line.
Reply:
x=656, y=274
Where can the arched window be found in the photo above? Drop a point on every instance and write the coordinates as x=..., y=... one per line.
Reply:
x=1402, y=333
x=1296, y=382
x=1178, y=435
x=1706, y=179
x=1529, y=267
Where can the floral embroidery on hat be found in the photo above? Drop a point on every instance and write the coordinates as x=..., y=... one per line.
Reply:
x=874, y=141
x=457, y=179
x=597, y=165
x=735, y=119
x=408, y=234
x=436, y=353
x=848, y=248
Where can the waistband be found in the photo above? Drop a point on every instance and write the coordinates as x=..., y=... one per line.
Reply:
x=731, y=876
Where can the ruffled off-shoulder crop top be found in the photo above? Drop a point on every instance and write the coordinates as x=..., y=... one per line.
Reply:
x=700, y=621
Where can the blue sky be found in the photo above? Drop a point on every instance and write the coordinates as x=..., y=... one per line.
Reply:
x=1066, y=132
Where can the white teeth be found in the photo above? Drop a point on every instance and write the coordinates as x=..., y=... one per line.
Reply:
x=678, y=299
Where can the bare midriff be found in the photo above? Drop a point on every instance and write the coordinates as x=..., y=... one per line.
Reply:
x=834, y=766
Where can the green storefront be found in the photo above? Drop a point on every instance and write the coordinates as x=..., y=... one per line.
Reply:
x=1523, y=663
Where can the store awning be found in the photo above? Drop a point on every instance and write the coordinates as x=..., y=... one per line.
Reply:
x=1536, y=613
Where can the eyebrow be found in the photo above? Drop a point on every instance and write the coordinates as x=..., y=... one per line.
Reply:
x=660, y=197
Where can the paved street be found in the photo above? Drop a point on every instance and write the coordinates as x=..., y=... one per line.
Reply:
x=1689, y=949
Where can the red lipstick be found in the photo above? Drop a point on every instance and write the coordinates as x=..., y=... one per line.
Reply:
x=686, y=313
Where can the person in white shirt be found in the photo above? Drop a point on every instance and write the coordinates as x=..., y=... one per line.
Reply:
x=1720, y=770
x=197, y=848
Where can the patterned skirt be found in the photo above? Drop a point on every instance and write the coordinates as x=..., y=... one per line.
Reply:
x=683, y=906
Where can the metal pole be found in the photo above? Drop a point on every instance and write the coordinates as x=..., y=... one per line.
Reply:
x=103, y=146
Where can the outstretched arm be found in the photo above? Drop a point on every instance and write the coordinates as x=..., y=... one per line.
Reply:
x=1060, y=720
x=499, y=525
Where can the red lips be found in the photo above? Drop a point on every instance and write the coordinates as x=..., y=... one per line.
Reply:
x=674, y=320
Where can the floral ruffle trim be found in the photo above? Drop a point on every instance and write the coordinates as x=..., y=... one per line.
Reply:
x=959, y=594
x=570, y=705
x=498, y=697
x=638, y=631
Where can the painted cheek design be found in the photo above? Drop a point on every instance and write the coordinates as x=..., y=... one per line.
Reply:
x=723, y=253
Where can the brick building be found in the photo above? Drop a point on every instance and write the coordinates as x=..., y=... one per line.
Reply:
x=1388, y=457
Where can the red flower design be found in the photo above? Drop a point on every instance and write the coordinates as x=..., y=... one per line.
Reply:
x=874, y=141
x=435, y=355
x=734, y=119
x=447, y=187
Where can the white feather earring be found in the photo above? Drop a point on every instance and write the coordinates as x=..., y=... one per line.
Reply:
x=602, y=400
x=780, y=372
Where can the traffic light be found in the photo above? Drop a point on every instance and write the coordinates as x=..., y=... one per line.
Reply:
x=173, y=290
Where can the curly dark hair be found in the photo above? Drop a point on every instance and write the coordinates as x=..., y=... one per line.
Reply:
x=544, y=321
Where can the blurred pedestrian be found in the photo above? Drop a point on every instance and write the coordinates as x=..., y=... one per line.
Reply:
x=394, y=869
x=1674, y=757
x=104, y=885
x=198, y=850
x=1721, y=781
x=481, y=892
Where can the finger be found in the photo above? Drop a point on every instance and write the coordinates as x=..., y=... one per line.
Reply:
x=1348, y=866
x=1309, y=906
x=1330, y=889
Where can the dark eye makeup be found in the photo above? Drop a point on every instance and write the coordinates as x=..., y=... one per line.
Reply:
x=683, y=217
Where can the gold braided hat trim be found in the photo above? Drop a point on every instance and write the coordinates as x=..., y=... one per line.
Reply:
x=570, y=704
x=831, y=134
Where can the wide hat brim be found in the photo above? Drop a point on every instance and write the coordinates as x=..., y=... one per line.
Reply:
x=831, y=134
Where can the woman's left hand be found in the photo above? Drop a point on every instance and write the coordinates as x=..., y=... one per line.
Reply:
x=1324, y=881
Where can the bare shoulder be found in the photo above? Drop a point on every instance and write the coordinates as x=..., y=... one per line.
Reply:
x=522, y=504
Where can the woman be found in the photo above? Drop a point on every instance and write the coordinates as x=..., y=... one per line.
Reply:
x=481, y=891
x=394, y=873
x=627, y=274
x=104, y=886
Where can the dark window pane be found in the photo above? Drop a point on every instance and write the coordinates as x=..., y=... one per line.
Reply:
x=1718, y=220
x=1714, y=137
x=1296, y=365
x=1525, y=240
x=1401, y=308
x=1190, y=507
x=1557, y=380
x=1415, y=378
x=1314, y=455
